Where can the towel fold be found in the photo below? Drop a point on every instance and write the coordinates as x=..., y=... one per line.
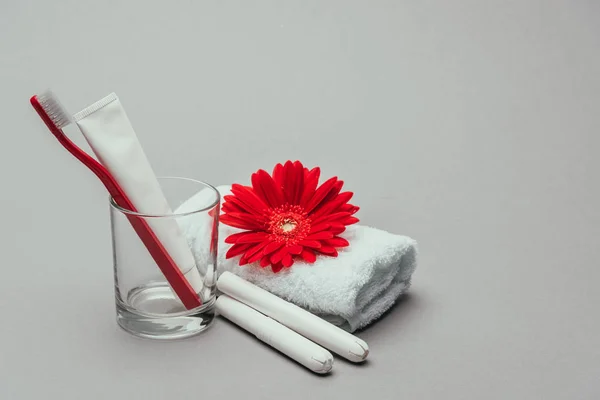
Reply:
x=350, y=291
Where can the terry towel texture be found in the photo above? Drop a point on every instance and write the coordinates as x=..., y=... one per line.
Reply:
x=350, y=291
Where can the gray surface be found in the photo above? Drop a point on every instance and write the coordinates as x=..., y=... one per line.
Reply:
x=471, y=126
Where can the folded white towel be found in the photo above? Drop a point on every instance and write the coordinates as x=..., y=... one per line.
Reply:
x=351, y=290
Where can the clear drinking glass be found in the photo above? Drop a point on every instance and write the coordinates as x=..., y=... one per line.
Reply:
x=146, y=305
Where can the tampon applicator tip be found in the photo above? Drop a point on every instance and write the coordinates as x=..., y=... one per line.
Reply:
x=359, y=351
x=323, y=362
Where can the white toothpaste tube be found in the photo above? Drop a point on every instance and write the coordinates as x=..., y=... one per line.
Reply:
x=309, y=325
x=109, y=133
x=297, y=347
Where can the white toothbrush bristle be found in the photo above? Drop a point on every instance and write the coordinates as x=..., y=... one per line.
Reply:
x=54, y=109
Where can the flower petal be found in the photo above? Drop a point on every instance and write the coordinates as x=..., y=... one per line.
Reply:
x=294, y=249
x=319, y=227
x=231, y=206
x=293, y=182
x=278, y=255
x=320, y=235
x=273, y=246
x=337, y=242
x=311, y=180
x=320, y=194
x=253, y=237
x=328, y=250
x=337, y=228
x=231, y=209
x=237, y=249
x=265, y=187
x=278, y=174
x=333, y=205
x=299, y=184
x=289, y=182
x=351, y=220
x=256, y=253
x=335, y=217
x=287, y=260
x=228, y=220
x=234, y=204
x=351, y=208
x=265, y=261
x=247, y=196
x=277, y=267
x=309, y=256
x=333, y=193
x=233, y=238
x=250, y=254
x=243, y=221
x=310, y=243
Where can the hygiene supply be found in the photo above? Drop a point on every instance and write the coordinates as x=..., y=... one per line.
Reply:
x=308, y=325
x=109, y=133
x=295, y=346
x=351, y=290
x=56, y=118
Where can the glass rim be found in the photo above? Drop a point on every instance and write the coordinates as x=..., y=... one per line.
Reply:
x=126, y=211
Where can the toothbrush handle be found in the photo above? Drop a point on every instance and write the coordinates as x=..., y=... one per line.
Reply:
x=167, y=265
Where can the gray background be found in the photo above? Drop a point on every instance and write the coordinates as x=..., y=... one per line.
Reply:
x=471, y=126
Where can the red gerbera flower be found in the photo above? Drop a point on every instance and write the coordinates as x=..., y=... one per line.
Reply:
x=286, y=217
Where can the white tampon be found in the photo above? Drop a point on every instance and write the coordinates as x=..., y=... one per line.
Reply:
x=112, y=138
x=297, y=347
x=309, y=325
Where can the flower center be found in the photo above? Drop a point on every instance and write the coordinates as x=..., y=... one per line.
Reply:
x=288, y=224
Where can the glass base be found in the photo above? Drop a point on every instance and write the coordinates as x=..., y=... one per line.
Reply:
x=155, y=313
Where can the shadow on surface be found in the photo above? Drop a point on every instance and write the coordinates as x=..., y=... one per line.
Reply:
x=365, y=364
x=406, y=306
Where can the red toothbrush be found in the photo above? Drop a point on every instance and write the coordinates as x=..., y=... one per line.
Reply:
x=56, y=118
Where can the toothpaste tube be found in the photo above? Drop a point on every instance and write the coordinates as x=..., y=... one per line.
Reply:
x=109, y=133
